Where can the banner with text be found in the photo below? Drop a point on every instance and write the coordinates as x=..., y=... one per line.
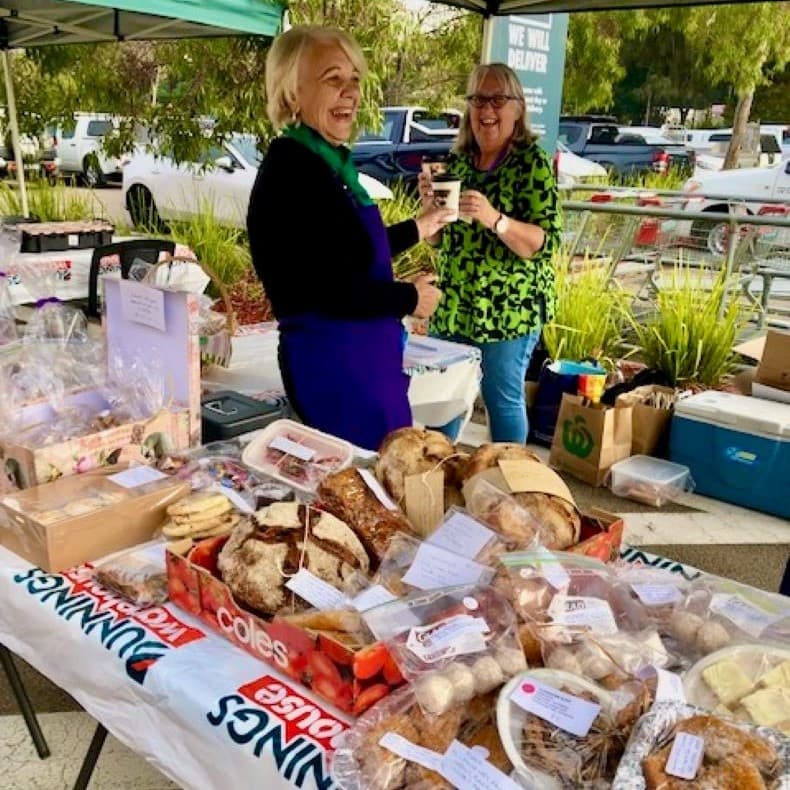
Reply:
x=533, y=45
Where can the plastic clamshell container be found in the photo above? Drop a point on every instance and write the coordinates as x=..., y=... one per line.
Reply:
x=510, y=720
x=651, y=481
x=296, y=454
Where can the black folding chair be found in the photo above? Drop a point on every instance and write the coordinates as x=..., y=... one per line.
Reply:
x=147, y=250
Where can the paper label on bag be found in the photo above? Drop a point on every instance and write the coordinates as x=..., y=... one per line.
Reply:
x=316, y=591
x=455, y=636
x=377, y=489
x=748, y=617
x=566, y=711
x=285, y=445
x=424, y=500
x=142, y=304
x=685, y=758
x=657, y=594
x=551, y=568
x=372, y=597
x=593, y=613
x=136, y=476
x=669, y=687
x=462, y=535
x=525, y=476
x=467, y=768
x=433, y=567
x=235, y=498
x=404, y=748
x=74, y=239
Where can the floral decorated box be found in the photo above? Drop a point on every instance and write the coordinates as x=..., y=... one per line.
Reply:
x=169, y=335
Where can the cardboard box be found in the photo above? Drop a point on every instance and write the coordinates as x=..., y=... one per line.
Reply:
x=175, y=341
x=601, y=535
x=773, y=371
x=82, y=518
x=326, y=666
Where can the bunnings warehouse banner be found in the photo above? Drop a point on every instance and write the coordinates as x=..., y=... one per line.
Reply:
x=533, y=45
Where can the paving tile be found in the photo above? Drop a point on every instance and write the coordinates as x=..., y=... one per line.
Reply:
x=68, y=736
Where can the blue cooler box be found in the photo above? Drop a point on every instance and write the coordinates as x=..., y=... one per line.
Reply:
x=737, y=447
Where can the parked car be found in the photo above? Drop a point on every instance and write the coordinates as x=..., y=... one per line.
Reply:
x=155, y=189
x=713, y=158
x=394, y=155
x=745, y=189
x=571, y=169
x=80, y=151
x=619, y=153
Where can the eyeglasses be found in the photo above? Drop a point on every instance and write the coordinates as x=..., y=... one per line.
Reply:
x=498, y=100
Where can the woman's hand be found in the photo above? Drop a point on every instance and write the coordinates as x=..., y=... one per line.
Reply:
x=428, y=296
x=431, y=220
x=475, y=205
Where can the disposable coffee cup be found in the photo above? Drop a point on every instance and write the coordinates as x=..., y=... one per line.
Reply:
x=435, y=165
x=447, y=193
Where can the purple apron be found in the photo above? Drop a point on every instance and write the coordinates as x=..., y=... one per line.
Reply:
x=345, y=376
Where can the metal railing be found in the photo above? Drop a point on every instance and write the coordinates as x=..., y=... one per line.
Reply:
x=757, y=246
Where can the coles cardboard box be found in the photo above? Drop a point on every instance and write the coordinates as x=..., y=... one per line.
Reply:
x=140, y=322
x=350, y=676
x=81, y=518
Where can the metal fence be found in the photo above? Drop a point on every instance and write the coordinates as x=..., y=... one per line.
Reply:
x=638, y=233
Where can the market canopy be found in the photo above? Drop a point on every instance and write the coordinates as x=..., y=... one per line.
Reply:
x=41, y=23
x=504, y=7
x=37, y=23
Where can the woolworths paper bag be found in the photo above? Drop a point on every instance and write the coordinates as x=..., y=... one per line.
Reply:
x=589, y=438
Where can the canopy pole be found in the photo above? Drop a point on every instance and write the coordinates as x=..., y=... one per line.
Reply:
x=8, y=70
x=488, y=38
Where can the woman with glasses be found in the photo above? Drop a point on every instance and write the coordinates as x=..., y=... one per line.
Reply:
x=495, y=264
x=322, y=251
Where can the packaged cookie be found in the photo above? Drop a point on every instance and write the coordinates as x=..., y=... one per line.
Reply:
x=138, y=574
x=676, y=746
x=562, y=732
x=410, y=564
x=397, y=746
x=450, y=644
x=716, y=613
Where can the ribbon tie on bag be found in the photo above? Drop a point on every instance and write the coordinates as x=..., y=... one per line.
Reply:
x=48, y=300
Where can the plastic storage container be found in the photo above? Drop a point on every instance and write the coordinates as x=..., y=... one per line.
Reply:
x=226, y=414
x=737, y=447
x=651, y=481
x=297, y=455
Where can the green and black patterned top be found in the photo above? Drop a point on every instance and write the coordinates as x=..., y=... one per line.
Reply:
x=490, y=292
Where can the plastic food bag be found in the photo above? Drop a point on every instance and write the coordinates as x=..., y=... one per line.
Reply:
x=8, y=330
x=716, y=613
x=451, y=644
x=137, y=574
x=518, y=527
x=361, y=762
x=555, y=752
x=410, y=564
x=732, y=754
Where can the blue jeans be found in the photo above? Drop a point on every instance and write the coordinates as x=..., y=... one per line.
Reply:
x=505, y=364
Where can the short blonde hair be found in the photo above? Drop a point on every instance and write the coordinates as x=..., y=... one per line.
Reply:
x=283, y=61
x=465, y=142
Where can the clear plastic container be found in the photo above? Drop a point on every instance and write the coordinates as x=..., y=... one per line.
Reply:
x=651, y=481
x=297, y=455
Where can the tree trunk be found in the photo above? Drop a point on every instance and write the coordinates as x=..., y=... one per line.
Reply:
x=742, y=111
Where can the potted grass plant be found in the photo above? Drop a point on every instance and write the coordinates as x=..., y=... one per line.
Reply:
x=697, y=320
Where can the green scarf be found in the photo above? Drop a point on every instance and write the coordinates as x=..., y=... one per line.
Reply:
x=337, y=157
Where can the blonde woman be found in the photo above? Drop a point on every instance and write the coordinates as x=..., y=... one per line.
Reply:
x=322, y=252
x=496, y=269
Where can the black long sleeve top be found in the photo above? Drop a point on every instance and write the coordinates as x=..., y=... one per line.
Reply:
x=309, y=246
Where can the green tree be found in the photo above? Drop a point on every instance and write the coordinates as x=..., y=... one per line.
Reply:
x=742, y=46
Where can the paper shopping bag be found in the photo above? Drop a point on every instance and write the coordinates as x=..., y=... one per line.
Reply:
x=589, y=438
x=652, y=413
